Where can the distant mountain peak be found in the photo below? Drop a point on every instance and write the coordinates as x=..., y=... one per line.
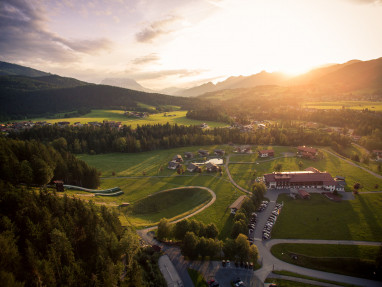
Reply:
x=126, y=83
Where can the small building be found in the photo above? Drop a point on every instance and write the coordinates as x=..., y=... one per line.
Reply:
x=178, y=158
x=307, y=152
x=219, y=152
x=203, y=152
x=266, y=153
x=192, y=167
x=188, y=155
x=237, y=204
x=173, y=165
x=210, y=167
x=303, y=194
x=59, y=185
x=242, y=149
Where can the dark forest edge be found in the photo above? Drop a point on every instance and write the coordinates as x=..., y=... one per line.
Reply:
x=46, y=240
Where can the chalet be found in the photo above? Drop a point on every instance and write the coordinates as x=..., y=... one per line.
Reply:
x=202, y=152
x=377, y=154
x=173, y=165
x=192, y=167
x=59, y=185
x=266, y=153
x=237, y=204
x=341, y=183
x=188, y=155
x=303, y=194
x=204, y=126
x=301, y=179
x=210, y=167
x=307, y=152
x=219, y=152
x=177, y=158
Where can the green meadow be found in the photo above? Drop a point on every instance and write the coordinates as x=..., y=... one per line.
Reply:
x=321, y=218
x=174, y=117
x=355, y=105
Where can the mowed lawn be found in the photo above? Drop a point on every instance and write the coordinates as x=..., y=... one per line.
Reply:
x=321, y=218
x=151, y=163
x=335, y=166
x=175, y=117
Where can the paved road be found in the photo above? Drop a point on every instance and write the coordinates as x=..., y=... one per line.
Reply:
x=169, y=272
x=302, y=280
x=354, y=164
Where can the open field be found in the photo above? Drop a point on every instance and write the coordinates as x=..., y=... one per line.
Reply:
x=288, y=283
x=176, y=117
x=320, y=218
x=197, y=278
x=135, y=164
x=352, y=260
x=355, y=105
x=330, y=163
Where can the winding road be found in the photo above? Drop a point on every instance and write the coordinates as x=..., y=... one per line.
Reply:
x=268, y=261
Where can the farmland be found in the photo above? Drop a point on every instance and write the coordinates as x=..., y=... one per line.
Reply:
x=175, y=117
x=355, y=105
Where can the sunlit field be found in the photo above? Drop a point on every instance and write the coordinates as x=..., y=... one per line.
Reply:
x=355, y=105
x=175, y=117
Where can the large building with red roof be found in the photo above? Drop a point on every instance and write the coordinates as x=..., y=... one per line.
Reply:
x=301, y=179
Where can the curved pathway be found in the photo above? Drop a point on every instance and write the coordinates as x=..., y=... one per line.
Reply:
x=231, y=179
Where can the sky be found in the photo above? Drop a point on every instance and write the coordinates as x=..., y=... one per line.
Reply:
x=182, y=43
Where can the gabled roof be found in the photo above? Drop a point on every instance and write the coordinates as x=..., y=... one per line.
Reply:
x=266, y=151
x=238, y=202
x=211, y=165
x=307, y=149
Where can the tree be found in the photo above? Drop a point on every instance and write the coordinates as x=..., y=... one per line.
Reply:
x=42, y=172
x=229, y=249
x=211, y=231
x=202, y=247
x=196, y=227
x=300, y=165
x=60, y=144
x=240, y=216
x=356, y=187
x=253, y=253
x=26, y=172
x=239, y=226
x=248, y=207
x=120, y=144
x=164, y=229
x=189, y=246
x=242, y=247
x=180, y=229
x=278, y=167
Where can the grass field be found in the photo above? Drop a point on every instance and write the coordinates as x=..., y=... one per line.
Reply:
x=197, y=278
x=352, y=260
x=320, y=218
x=335, y=166
x=176, y=117
x=355, y=105
x=288, y=283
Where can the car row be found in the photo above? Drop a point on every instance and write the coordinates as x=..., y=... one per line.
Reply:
x=246, y=265
x=251, y=227
x=271, y=221
x=263, y=206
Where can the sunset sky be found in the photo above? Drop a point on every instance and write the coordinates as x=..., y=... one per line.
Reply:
x=164, y=43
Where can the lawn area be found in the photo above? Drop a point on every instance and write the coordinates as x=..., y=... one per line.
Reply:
x=352, y=260
x=151, y=162
x=355, y=105
x=140, y=186
x=288, y=283
x=335, y=166
x=176, y=117
x=320, y=218
x=197, y=278
x=168, y=204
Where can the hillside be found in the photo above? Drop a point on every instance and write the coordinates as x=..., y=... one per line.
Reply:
x=38, y=102
x=8, y=69
x=260, y=79
x=126, y=83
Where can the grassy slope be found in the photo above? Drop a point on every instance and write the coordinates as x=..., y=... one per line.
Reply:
x=197, y=278
x=117, y=115
x=320, y=218
x=329, y=163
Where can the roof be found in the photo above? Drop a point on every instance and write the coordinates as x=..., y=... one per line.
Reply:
x=177, y=156
x=307, y=149
x=312, y=169
x=173, y=163
x=238, y=202
x=303, y=193
x=307, y=176
x=192, y=165
x=211, y=165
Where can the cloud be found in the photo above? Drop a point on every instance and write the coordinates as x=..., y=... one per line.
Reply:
x=24, y=35
x=156, y=29
x=146, y=59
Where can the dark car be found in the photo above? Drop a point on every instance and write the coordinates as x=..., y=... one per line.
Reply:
x=213, y=283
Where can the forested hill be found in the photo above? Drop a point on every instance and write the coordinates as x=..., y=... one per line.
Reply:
x=13, y=69
x=30, y=103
